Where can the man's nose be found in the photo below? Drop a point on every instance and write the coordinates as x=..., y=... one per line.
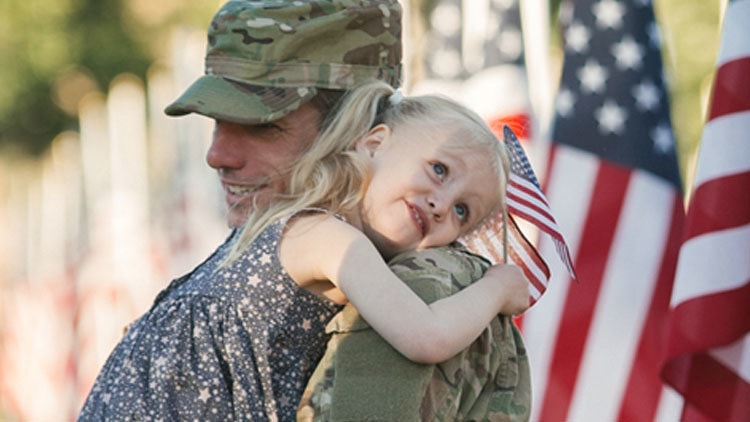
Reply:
x=223, y=152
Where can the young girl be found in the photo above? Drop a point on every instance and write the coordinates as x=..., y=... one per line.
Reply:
x=238, y=338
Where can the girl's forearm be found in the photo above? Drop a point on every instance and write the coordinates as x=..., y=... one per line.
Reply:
x=422, y=333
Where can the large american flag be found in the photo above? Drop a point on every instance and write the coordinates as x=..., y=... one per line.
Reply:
x=710, y=322
x=612, y=178
x=525, y=200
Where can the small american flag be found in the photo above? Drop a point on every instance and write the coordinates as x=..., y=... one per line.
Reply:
x=525, y=200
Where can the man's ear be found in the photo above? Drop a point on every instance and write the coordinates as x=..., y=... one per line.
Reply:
x=373, y=139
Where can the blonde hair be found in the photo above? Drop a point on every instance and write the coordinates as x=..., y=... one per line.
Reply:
x=331, y=175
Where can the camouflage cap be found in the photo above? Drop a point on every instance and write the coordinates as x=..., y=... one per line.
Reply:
x=266, y=58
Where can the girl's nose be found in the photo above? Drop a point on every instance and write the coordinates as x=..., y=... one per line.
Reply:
x=437, y=207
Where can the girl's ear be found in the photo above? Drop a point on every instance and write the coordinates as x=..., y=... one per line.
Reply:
x=370, y=143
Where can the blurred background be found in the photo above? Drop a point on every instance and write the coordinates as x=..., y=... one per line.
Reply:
x=103, y=199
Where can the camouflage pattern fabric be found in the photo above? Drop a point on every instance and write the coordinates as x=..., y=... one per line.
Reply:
x=266, y=58
x=361, y=377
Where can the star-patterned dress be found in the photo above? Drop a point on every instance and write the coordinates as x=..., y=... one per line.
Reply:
x=231, y=343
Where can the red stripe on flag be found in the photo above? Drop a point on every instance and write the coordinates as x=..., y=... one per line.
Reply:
x=543, y=224
x=536, y=204
x=731, y=86
x=644, y=383
x=532, y=254
x=709, y=210
x=707, y=382
x=488, y=242
x=693, y=331
x=692, y=414
x=598, y=233
x=530, y=193
x=535, y=281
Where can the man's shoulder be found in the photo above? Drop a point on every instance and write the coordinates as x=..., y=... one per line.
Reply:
x=451, y=265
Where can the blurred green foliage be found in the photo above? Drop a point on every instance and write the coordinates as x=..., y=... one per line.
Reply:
x=55, y=51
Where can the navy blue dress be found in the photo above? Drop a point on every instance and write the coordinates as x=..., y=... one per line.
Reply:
x=235, y=343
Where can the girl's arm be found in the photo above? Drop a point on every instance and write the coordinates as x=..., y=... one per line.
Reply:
x=316, y=248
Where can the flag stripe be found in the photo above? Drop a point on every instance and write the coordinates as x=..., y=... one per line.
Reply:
x=735, y=32
x=537, y=286
x=711, y=213
x=489, y=243
x=644, y=386
x=709, y=383
x=531, y=216
x=527, y=189
x=730, y=88
x=629, y=286
x=526, y=199
x=736, y=355
x=537, y=212
x=598, y=232
x=729, y=264
x=535, y=269
x=726, y=150
x=541, y=323
x=694, y=332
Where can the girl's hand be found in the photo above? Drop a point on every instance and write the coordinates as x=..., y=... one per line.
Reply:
x=513, y=288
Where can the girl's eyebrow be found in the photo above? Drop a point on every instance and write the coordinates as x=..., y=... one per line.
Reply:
x=454, y=160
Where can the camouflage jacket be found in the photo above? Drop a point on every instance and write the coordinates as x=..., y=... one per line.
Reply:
x=361, y=377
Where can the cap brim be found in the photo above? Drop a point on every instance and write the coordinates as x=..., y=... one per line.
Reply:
x=223, y=99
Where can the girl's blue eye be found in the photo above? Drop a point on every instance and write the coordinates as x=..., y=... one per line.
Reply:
x=462, y=211
x=440, y=169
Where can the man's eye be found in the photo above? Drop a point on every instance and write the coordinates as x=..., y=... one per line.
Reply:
x=462, y=211
x=264, y=131
x=440, y=169
x=262, y=127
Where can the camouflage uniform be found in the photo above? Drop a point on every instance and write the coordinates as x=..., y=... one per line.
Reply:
x=361, y=377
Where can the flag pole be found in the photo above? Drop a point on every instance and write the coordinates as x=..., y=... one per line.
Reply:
x=506, y=321
x=505, y=232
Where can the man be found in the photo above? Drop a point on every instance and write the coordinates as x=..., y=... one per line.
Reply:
x=274, y=72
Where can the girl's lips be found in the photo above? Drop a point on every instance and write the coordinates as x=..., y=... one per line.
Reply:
x=419, y=218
